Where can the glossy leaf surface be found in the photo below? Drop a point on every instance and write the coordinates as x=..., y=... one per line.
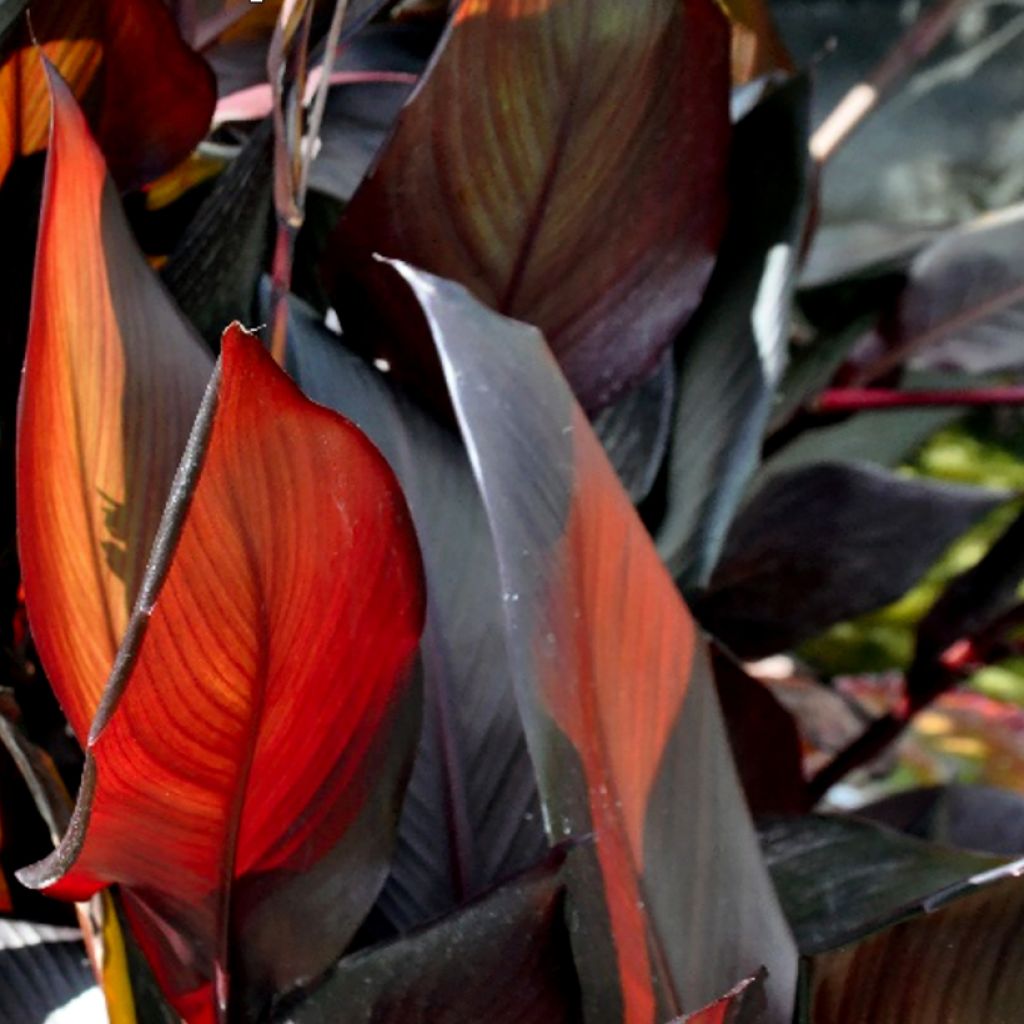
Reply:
x=505, y=960
x=470, y=817
x=564, y=160
x=113, y=380
x=614, y=688
x=840, y=879
x=823, y=544
x=148, y=97
x=733, y=352
x=244, y=771
x=960, y=961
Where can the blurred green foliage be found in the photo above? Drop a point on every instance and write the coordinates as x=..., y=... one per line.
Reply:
x=984, y=450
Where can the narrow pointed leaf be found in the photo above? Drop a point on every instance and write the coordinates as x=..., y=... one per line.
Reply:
x=113, y=379
x=148, y=97
x=733, y=352
x=505, y=960
x=564, y=160
x=615, y=690
x=820, y=545
x=470, y=817
x=244, y=771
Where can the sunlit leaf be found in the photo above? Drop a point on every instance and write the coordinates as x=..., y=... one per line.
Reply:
x=565, y=161
x=113, y=379
x=244, y=771
x=820, y=545
x=148, y=97
x=504, y=960
x=671, y=904
x=470, y=816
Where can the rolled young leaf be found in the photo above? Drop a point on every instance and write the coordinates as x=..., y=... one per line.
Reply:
x=244, y=770
x=113, y=380
x=672, y=902
x=148, y=97
x=564, y=160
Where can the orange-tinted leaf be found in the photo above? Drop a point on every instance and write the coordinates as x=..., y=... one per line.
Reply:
x=148, y=97
x=756, y=47
x=244, y=770
x=113, y=379
x=565, y=161
x=614, y=686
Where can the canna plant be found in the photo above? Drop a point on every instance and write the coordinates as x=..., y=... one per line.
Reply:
x=372, y=625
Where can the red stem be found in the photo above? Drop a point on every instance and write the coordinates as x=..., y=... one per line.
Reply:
x=861, y=399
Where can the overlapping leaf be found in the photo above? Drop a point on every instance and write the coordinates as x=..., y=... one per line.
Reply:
x=672, y=905
x=820, y=545
x=505, y=960
x=963, y=307
x=470, y=817
x=113, y=379
x=897, y=930
x=148, y=97
x=244, y=770
x=733, y=352
x=564, y=160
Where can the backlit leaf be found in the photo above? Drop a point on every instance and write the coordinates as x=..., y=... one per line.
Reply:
x=113, y=379
x=244, y=771
x=564, y=160
x=148, y=97
x=671, y=903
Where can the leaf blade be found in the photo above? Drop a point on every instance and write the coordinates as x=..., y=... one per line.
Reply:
x=521, y=171
x=217, y=771
x=610, y=761
x=97, y=449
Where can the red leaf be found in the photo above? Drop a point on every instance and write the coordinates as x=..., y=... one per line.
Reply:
x=250, y=722
x=148, y=97
x=113, y=379
x=742, y=1005
x=614, y=687
x=565, y=161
